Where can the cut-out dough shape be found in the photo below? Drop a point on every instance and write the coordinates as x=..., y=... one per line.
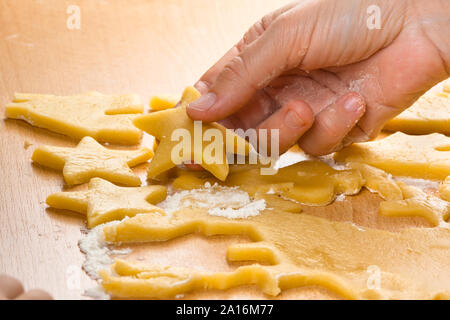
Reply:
x=90, y=159
x=307, y=182
x=302, y=250
x=107, y=118
x=158, y=103
x=444, y=189
x=104, y=201
x=280, y=194
x=429, y=114
x=162, y=124
x=417, y=203
x=426, y=156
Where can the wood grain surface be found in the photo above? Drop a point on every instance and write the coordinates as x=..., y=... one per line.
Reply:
x=123, y=46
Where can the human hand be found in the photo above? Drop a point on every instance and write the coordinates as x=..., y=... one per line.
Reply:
x=12, y=289
x=314, y=70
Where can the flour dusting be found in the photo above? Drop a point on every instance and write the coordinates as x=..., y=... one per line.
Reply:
x=97, y=252
x=228, y=202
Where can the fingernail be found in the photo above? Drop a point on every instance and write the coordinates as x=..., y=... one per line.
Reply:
x=293, y=120
x=353, y=104
x=204, y=103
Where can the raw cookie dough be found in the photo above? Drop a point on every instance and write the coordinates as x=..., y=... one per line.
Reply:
x=158, y=103
x=429, y=114
x=378, y=181
x=300, y=250
x=417, y=203
x=107, y=118
x=426, y=157
x=444, y=189
x=104, y=201
x=307, y=182
x=162, y=124
x=90, y=159
x=447, y=86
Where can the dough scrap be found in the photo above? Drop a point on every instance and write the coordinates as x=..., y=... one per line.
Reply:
x=158, y=103
x=417, y=203
x=301, y=250
x=429, y=114
x=107, y=118
x=90, y=159
x=426, y=157
x=378, y=181
x=163, y=123
x=104, y=202
x=444, y=189
x=307, y=182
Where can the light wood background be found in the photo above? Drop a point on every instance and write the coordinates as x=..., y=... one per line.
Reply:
x=141, y=46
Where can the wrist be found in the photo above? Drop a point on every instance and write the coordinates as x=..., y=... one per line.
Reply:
x=433, y=18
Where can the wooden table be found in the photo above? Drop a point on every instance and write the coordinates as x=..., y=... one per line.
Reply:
x=141, y=46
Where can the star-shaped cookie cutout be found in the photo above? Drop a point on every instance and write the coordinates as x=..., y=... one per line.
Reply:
x=104, y=201
x=107, y=118
x=163, y=124
x=90, y=159
x=429, y=114
x=426, y=156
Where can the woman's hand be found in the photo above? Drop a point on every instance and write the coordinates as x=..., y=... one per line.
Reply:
x=316, y=71
x=11, y=288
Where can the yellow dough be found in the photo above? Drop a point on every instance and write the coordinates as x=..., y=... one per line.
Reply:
x=447, y=86
x=378, y=181
x=163, y=123
x=444, y=189
x=107, y=118
x=90, y=159
x=158, y=103
x=429, y=114
x=417, y=203
x=307, y=182
x=300, y=250
x=426, y=156
x=104, y=201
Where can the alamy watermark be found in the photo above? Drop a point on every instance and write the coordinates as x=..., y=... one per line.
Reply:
x=73, y=21
x=373, y=17
x=208, y=146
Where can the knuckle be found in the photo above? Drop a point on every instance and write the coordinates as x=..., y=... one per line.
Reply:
x=237, y=69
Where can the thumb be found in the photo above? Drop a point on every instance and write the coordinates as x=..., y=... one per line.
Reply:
x=252, y=69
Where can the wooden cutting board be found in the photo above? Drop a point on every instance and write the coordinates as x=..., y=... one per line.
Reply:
x=122, y=46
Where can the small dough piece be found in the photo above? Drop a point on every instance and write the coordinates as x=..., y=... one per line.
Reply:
x=426, y=157
x=107, y=118
x=104, y=201
x=162, y=124
x=378, y=181
x=90, y=159
x=306, y=182
x=444, y=189
x=417, y=203
x=300, y=250
x=429, y=114
x=158, y=103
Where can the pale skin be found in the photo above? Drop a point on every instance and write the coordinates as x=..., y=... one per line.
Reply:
x=12, y=289
x=314, y=70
